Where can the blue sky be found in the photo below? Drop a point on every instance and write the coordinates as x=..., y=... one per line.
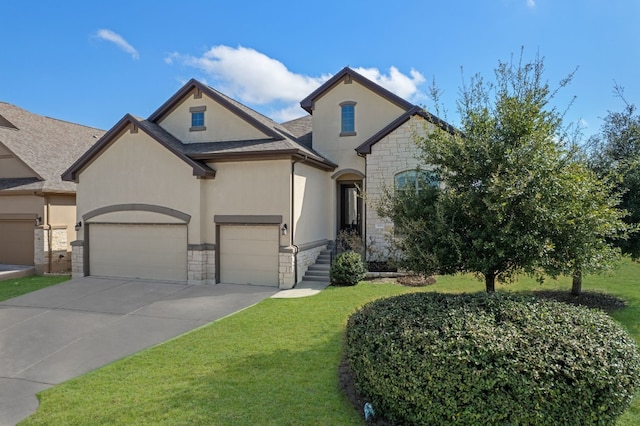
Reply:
x=92, y=62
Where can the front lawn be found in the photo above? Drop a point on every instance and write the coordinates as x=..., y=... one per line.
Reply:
x=14, y=287
x=275, y=363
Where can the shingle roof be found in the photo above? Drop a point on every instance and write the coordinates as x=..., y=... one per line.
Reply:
x=46, y=145
x=301, y=128
x=279, y=139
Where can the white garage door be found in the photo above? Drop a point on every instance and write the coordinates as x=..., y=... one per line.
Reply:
x=156, y=252
x=249, y=255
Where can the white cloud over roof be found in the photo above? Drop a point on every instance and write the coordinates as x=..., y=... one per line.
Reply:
x=119, y=41
x=254, y=78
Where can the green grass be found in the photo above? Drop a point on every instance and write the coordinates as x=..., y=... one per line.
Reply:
x=14, y=287
x=275, y=363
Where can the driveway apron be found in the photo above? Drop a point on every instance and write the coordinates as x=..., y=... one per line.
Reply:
x=60, y=332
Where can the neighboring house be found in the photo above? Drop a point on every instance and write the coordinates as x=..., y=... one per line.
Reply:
x=206, y=190
x=37, y=208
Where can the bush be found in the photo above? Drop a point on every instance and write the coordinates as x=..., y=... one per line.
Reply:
x=347, y=268
x=428, y=358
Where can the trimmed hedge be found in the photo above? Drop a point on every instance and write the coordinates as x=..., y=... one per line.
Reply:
x=347, y=268
x=429, y=358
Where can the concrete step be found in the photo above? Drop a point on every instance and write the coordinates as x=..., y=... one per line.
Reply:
x=319, y=267
x=314, y=278
x=317, y=274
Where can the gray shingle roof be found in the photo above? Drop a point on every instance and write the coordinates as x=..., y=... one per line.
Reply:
x=46, y=145
x=301, y=128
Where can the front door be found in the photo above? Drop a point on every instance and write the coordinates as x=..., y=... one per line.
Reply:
x=350, y=205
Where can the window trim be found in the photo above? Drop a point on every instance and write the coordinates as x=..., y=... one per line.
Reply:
x=416, y=173
x=344, y=104
x=197, y=110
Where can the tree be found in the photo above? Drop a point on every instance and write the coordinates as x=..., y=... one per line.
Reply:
x=513, y=192
x=615, y=152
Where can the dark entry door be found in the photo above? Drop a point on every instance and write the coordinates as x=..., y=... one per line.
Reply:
x=350, y=208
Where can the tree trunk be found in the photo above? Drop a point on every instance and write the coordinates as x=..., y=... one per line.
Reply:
x=490, y=282
x=576, y=287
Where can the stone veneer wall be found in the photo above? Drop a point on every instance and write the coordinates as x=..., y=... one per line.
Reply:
x=307, y=258
x=60, y=257
x=286, y=268
x=393, y=154
x=201, y=265
x=77, y=259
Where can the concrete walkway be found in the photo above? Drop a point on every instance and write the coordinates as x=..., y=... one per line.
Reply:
x=60, y=332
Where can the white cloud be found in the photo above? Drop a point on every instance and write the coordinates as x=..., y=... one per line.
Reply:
x=531, y=3
x=398, y=83
x=119, y=41
x=256, y=79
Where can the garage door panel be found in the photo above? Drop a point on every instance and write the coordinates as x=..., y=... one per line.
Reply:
x=138, y=251
x=16, y=242
x=249, y=255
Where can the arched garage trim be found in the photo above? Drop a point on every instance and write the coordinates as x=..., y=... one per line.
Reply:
x=137, y=207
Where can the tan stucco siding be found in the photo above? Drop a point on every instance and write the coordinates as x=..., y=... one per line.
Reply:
x=221, y=124
x=136, y=169
x=62, y=213
x=372, y=113
x=21, y=204
x=313, y=211
x=393, y=154
x=13, y=168
x=249, y=188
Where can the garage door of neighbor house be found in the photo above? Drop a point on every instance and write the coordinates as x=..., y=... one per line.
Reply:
x=154, y=252
x=16, y=242
x=249, y=255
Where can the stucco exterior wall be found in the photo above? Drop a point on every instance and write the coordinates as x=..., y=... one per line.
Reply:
x=62, y=211
x=11, y=204
x=313, y=208
x=137, y=169
x=221, y=124
x=13, y=168
x=248, y=188
x=372, y=113
x=393, y=154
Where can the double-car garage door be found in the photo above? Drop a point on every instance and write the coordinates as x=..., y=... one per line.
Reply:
x=149, y=251
x=247, y=254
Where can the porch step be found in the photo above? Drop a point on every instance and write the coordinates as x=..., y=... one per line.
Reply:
x=319, y=271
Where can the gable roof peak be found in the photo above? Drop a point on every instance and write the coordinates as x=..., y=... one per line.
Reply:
x=307, y=103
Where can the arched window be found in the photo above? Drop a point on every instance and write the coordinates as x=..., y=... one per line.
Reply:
x=415, y=179
x=348, y=118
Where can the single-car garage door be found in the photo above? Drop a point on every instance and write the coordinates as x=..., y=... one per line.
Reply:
x=155, y=252
x=16, y=242
x=249, y=255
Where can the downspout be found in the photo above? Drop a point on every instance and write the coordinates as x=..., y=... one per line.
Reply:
x=49, y=233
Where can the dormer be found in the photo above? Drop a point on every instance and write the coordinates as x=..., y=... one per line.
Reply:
x=198, y=113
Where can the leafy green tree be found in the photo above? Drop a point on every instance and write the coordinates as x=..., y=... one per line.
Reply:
x=514, y=196
x=615, y=151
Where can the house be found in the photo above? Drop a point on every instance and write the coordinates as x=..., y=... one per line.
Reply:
x=206, y=190
x=37, y=208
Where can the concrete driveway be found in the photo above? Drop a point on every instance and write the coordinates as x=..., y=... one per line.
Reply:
x=60, y=332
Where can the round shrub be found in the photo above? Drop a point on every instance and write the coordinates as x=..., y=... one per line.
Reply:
x=428, y=358
x=347, y=268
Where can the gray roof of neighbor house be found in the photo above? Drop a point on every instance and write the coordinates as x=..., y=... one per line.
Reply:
x=279, y=139
x=45, y=145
